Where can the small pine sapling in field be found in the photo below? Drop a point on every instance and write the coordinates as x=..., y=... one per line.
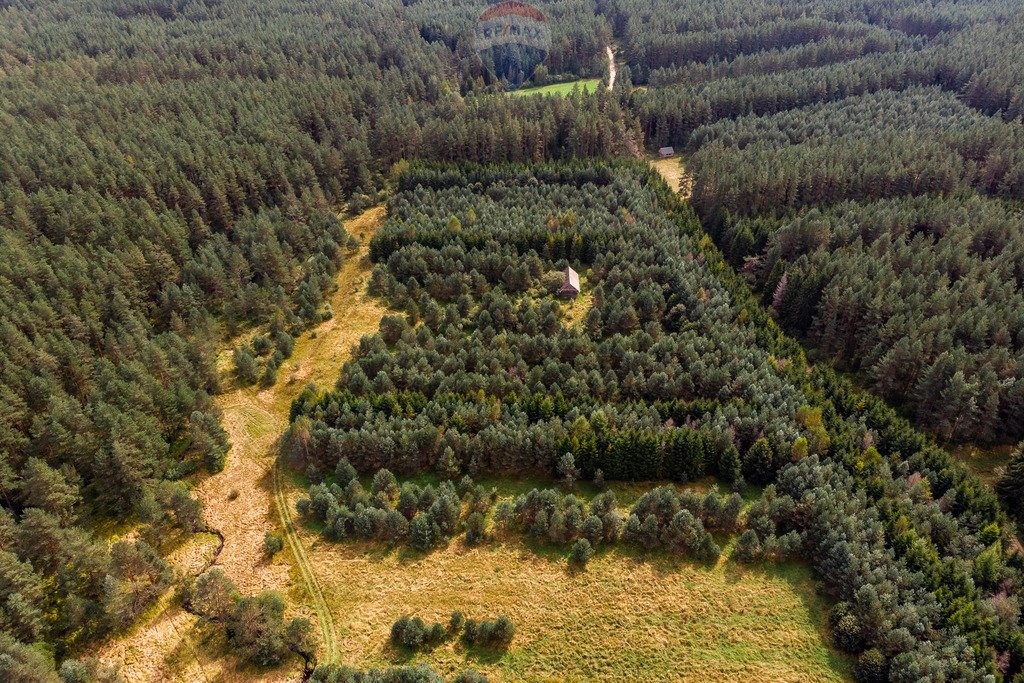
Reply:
x=557, y=531
x=456, y=623
x=707, y=550
x=272, y=544
x=448, y=467
x=731, y=512
x=435, y=635
x=261, y=345
x=269, y=377
x=247, y=368
x=631, y=530
x=476, y=528
x=539, y=528
x=470, y=632
x=503, y=631
x=599, y=482
x=385, y=482
x=581, y=552
x=414, y=634
x=593, y=529
x=408, y=500
x=748, y=547
x=409, y=632
x=504, y=514
x=423, y=532
x=649, y=532
x=489, y=633
x=396, y=526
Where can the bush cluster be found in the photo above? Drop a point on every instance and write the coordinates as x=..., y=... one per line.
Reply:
x=414, y=634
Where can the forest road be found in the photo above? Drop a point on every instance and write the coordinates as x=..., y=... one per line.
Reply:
x=612, y=69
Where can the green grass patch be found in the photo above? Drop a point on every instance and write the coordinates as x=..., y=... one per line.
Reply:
x=587, y=85
x=987, y=463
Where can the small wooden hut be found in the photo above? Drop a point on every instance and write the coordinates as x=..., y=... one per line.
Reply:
x=570, y=285
x=666, y=152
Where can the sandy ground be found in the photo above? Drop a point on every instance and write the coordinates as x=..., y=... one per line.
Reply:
x=240, y=500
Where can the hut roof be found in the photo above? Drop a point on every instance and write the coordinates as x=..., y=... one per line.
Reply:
x=571, y=283
x=667, y=151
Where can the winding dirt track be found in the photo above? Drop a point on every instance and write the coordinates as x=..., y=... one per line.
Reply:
x=247, y=498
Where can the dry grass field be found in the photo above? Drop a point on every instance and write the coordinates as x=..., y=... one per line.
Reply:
x=674, y=173
x=621, y=619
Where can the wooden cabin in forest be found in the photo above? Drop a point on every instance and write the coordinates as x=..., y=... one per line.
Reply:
x=666, y=152
x=570, y=284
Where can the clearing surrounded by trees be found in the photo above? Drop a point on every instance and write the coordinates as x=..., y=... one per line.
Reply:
x=625, y=617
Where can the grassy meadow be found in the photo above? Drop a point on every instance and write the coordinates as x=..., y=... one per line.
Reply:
x=628, y=616
x=586, y=85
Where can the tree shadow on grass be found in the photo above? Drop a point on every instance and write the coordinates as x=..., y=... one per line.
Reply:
x=396, y=654
x=483, y=654
x=661, y=561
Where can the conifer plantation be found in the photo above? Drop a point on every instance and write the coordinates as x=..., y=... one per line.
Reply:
x=762, y=375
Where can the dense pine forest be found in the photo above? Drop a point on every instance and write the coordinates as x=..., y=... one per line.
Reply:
x=176, y=174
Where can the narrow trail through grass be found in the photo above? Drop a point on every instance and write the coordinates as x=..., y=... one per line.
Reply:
x=317, y=357
x=329, y=632
x=246, y=499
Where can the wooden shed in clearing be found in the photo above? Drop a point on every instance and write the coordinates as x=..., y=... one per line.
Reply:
x=666, y=152
x=571, y=284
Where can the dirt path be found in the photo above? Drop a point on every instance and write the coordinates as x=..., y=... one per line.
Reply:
x=245, y=500
x=612, y=69
x=328, y=630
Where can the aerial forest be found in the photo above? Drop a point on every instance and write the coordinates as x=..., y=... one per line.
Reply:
x=837, y=304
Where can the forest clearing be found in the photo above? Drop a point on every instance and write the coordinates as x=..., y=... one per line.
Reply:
x=583, y=85
x=626, y=617
x=673, y=170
